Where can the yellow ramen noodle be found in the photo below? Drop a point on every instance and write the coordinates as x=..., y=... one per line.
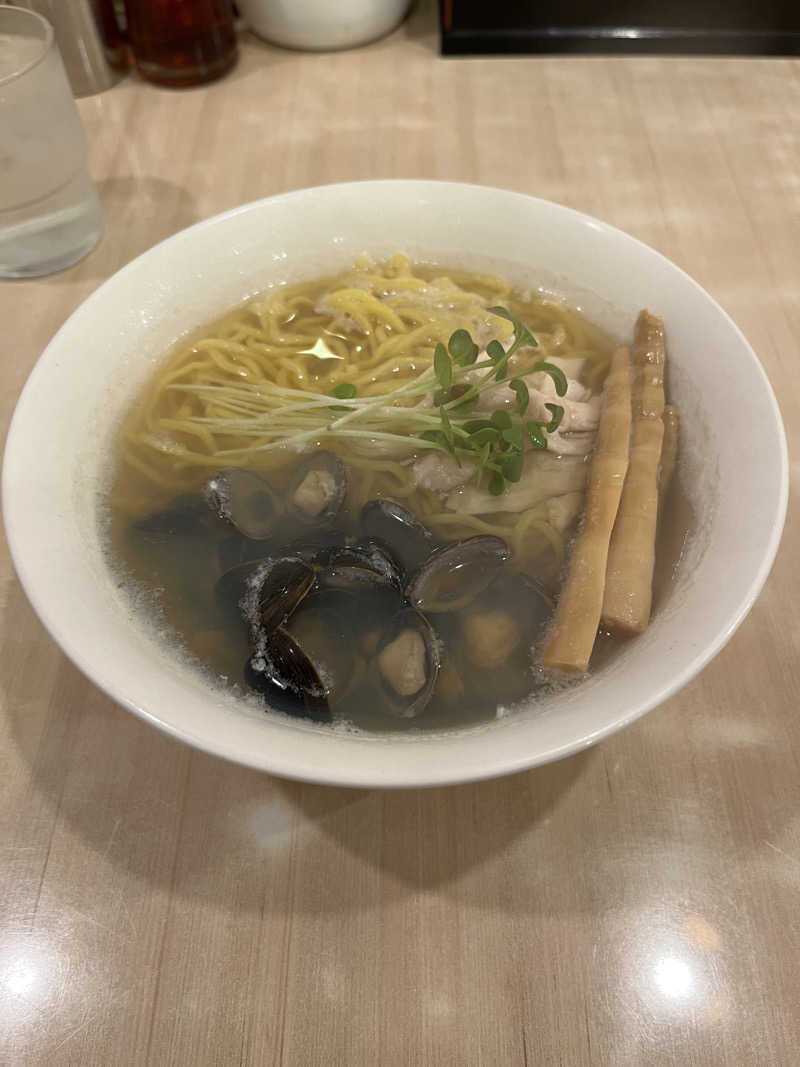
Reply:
x=375, y=327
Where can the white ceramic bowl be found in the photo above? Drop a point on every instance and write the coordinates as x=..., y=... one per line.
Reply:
x=320, y=25
x=734, y=468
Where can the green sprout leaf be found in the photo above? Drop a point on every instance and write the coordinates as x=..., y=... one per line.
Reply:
x=343, y=391
x=557, y=412
x=441, y=396
x=495, y=351
x=522, y=335
x=497, y=484
x=523, y=396
x=538, y=439
x=435, y=436
x=442, y=366
x=464, y=399
x=477, y=424
x=501, y=419
x=512, y=468
x=460, y=346
x=487, y=436
x=514, y=437
x=558, y=376
x=498, y=355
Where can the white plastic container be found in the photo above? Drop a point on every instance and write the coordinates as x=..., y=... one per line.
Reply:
x=322, y=25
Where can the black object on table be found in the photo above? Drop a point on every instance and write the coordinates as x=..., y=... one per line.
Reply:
x=755, y=27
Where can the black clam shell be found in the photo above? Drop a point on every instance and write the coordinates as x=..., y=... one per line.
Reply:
x=282, y=673
x=361, y=567
x=326, y=463
x=245, y=500
x=453, y=575
x=408, y=540
x=274, y=590
x=394, y=702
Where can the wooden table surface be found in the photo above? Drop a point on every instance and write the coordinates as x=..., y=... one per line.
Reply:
x=636, y=904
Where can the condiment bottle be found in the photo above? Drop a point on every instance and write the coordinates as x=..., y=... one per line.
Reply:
x=111, y=32
x=181, y=42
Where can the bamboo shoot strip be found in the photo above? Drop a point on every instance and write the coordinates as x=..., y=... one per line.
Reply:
x=669, y=452
x=578, y=613
x=631, y=557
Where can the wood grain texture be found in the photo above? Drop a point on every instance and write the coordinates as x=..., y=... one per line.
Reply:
x=634, y=904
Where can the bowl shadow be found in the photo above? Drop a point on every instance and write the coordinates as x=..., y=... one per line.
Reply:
x=171, y=817
x=153, y=815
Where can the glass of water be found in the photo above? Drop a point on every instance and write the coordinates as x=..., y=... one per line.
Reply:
x=49, y=212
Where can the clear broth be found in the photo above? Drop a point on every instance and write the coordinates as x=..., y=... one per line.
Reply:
x=172, y=549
